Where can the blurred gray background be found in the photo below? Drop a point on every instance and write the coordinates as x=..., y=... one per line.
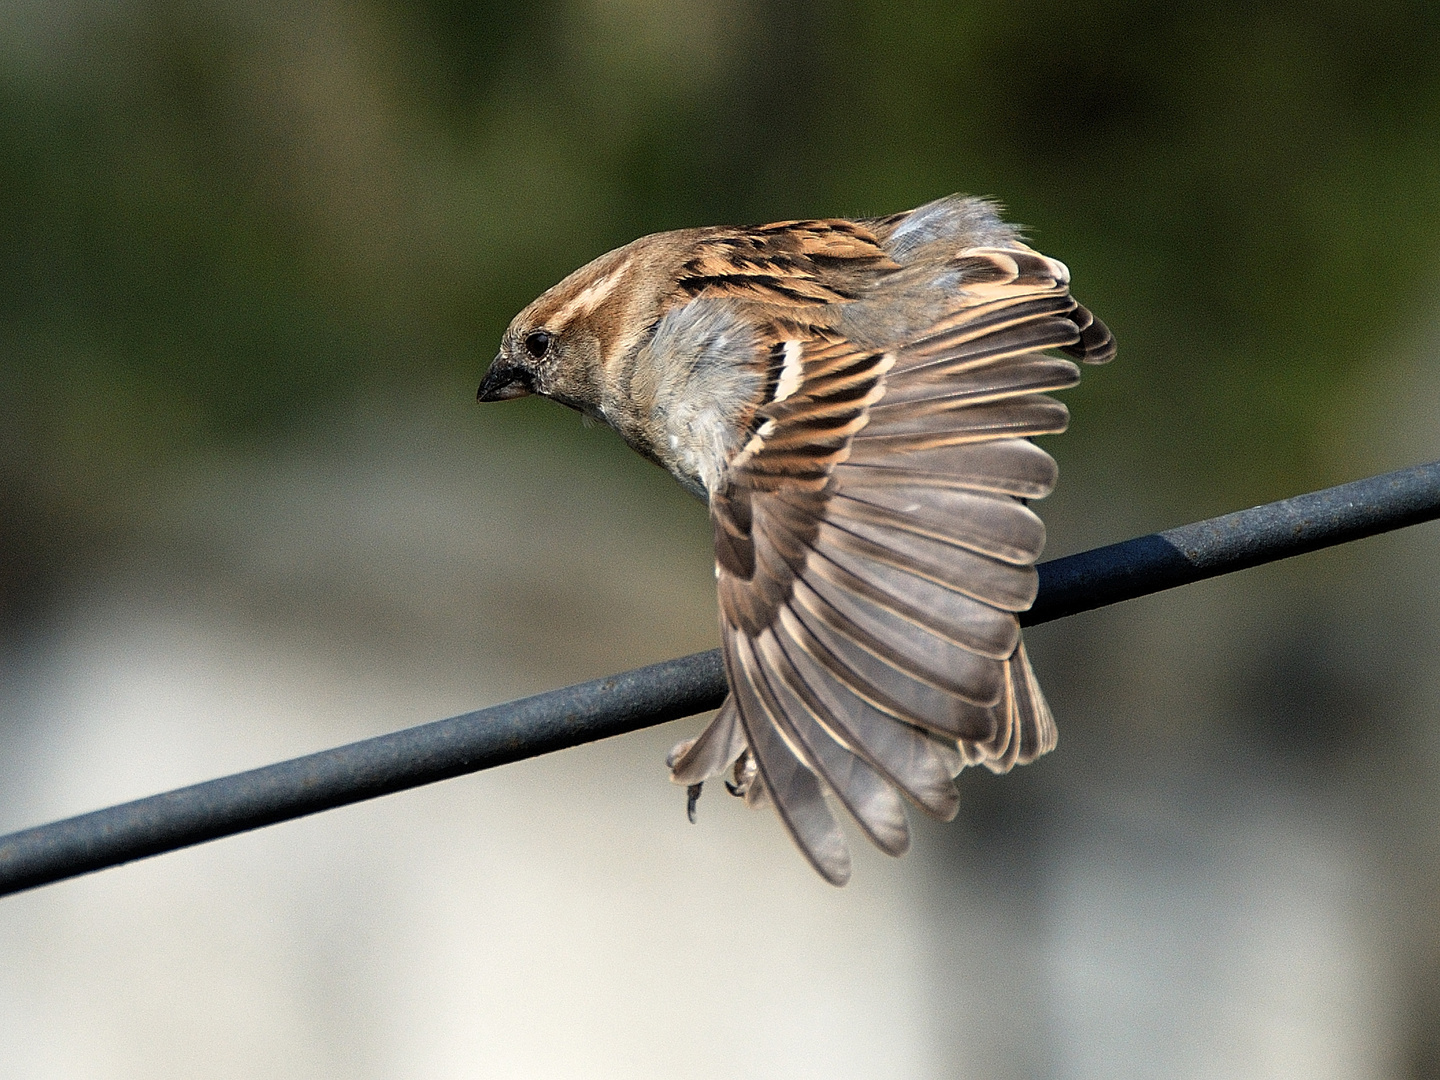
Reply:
x=253, y=259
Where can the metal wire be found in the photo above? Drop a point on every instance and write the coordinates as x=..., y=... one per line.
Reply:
x=652, y=695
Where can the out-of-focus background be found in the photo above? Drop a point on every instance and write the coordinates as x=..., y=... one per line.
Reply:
x=253, y=259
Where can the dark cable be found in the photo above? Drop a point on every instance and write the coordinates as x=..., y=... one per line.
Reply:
x=667, y=691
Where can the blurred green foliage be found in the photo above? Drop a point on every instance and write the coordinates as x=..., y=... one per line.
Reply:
x=219, y=220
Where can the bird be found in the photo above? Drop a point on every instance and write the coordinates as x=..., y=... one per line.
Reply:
x=854, y=399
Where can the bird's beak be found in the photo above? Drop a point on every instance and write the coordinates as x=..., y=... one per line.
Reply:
x=504, y=381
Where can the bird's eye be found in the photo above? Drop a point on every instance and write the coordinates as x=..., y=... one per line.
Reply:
x=537, y=343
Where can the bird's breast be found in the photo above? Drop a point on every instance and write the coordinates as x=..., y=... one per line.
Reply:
x=688, y=390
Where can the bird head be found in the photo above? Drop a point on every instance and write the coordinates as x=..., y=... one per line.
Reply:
x=578, y=340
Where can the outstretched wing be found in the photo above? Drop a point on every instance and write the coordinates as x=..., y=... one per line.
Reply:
x=873, y=548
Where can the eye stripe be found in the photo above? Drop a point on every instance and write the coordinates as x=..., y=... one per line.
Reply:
x=590, y=297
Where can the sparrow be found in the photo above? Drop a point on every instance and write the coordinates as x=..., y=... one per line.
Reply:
x=854, y=400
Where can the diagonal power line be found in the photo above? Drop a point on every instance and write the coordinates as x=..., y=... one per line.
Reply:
x=667, y=691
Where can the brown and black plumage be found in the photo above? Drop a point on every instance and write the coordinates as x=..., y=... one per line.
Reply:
x=854, y=399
